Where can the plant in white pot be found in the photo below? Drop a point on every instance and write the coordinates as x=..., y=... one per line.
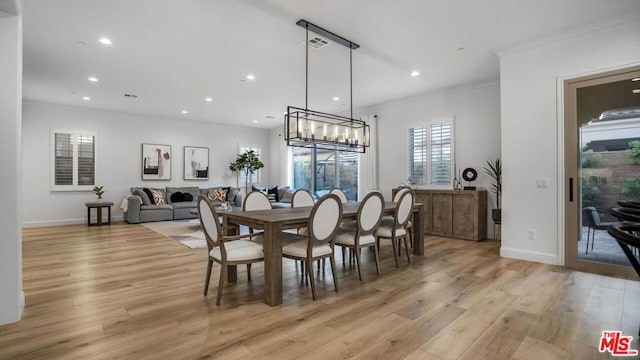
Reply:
x=248, y=163
x=494, y=170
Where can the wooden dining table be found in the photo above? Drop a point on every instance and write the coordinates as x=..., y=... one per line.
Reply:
x=274, y=221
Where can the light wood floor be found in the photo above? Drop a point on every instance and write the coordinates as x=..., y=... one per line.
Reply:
x=124, y=291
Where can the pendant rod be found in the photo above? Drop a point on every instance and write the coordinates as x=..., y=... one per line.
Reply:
x=351, y=79
x=306, y=72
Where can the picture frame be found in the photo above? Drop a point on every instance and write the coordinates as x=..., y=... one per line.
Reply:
x=196, y=163
x=156, y=162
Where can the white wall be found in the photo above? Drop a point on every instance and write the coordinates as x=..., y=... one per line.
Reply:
x=531, y=131
x=11, y=295
x=118, y=148
x=477, y=132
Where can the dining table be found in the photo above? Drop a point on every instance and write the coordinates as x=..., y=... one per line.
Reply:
x=273, y=221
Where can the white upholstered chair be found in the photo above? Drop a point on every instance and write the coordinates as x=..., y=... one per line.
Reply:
x=302, y=198
x=323, y=224
x=364, y=234
x=388, y=220
x=397, y=230
x=225, y=250
x=340, y=194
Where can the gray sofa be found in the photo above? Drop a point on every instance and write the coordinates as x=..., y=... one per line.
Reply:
x=141, y=208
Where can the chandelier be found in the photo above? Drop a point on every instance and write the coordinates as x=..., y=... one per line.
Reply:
x=314, y=129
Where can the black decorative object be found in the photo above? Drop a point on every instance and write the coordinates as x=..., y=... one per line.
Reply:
x=469, y=175
x=314, y=129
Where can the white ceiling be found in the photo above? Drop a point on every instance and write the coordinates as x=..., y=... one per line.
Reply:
x=173, y=54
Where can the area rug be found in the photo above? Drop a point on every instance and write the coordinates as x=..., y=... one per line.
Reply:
x=186, y=232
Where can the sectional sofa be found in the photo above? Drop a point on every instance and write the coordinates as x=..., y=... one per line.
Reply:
x=171, y=203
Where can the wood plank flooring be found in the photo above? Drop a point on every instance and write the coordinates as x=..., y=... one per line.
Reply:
x=125, y=291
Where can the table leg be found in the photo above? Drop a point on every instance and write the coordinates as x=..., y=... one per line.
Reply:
x=109, y=212
x=272, y=247
x=88, y=216
x=418, y=231
x=99, y=216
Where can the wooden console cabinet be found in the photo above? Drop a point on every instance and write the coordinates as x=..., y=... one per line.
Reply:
x=460, y=214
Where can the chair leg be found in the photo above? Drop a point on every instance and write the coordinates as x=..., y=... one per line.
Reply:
x=249, y=272
x=357, y=251
x=333, y=272
x=344, y=250
x=377, y=257
x=207, y=277
x=406, y=248
x=395, y=254
x=223, y=273
x=410, y=232
x=312, y=279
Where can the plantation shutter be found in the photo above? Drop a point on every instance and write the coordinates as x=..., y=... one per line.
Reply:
x=63, y=159
x=86, y=160
x=440, y=154
x=418, y=155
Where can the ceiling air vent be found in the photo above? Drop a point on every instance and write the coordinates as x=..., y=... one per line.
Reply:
x=131, y=96
x=317, y=42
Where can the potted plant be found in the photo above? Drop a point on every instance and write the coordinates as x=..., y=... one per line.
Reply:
x=99, y=190
x=494, y=169
x=248, y=163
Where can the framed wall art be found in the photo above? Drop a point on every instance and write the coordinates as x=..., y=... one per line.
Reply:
x=156, y=162
x=196, y=163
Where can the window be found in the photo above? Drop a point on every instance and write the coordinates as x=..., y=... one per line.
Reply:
x=320, y=170
x=73, y=160
x=430, y=158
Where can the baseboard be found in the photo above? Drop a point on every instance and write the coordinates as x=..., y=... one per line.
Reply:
x=533, y=256
x=32, y=224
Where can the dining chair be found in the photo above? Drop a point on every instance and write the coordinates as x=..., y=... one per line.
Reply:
x=256, y=200
x=338, y=192
x=398, y=229
x=626, y=234
x=388, y=220
x=323, y=224
x=225, y=250
x=592, y=218
x=302, y=198
x=363, y=236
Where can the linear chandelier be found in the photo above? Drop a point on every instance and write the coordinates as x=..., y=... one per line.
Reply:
x=314, y=129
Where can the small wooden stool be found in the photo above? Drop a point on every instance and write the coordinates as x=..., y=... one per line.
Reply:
x=98, y=205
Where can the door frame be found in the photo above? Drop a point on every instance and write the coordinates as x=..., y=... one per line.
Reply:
x=568, y=166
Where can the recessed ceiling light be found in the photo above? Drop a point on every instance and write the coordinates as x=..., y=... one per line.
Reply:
x=461, y=48
x=636, y=79
x=93, y=79
x=184, y=112
x=86, y=98
x=335, y=98
x=255, y=121
x=208, y=99
x=415, y=73
x=250, y=77
x=270, y=117
x=81, y=43
x=105, y=41
x=636, y=91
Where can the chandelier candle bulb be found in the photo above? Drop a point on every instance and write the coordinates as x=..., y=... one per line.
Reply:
x=324, y=132
x=299, y=128
x=335, y=133
x=313, y=131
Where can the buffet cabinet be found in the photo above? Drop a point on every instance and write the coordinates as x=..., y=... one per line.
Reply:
x=460, y=214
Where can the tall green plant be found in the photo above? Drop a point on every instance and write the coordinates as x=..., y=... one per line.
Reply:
x=247, y=163
x=630, y=188
x=494, y=170
x=634, y=151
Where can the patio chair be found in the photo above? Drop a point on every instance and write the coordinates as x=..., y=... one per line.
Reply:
x=593, y=222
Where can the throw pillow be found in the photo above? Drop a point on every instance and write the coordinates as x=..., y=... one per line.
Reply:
x=149, y=195
x=258, y=188
x=288, y=195
x=143, y=195
x=281, y=191
x=188, y=197
x=231, y=195
x=273, y=193
x=158, y=196
x=219, y=195
x=177, y=197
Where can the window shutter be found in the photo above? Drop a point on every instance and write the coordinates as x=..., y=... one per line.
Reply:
x=440, y=154
x=86, y=160
x=63, y=159
x=418, y=155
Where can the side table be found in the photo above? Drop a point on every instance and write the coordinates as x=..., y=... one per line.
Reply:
x=98, y=205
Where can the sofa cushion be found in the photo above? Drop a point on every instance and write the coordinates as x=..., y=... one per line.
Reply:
x=156, y=207
x=231, y=194
x=281, y=191
x=184, y=205
x=288, y=196
x=143, y=195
